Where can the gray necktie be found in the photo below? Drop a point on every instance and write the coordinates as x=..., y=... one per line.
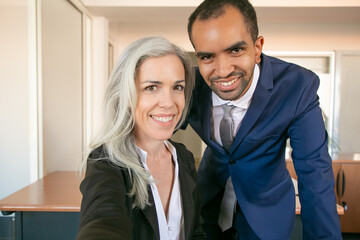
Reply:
x=229, y=199
x=227, y=207
x=226, y=127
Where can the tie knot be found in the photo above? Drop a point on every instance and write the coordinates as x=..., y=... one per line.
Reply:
x=227, y=110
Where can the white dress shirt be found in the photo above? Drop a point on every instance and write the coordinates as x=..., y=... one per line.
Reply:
x=170, y=228
x=237, y=114
x=242, y=104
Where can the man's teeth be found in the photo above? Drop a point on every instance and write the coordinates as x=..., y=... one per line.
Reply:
x=225, y=84
x=163, y=119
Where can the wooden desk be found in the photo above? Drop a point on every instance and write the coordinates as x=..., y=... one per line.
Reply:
x=49, y=208
x=46, y=209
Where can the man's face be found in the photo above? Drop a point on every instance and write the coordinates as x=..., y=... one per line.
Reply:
x=226, y=53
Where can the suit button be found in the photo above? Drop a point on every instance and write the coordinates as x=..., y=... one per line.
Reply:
x=232, y=162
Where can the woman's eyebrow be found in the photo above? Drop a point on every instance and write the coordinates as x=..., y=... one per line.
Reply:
x=151, y=81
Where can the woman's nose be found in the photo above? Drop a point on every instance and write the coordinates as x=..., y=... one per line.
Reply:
x=166, y=99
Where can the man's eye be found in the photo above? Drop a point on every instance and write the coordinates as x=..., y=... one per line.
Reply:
x=151, y=88
x=179, y=88
x=205, y=57
x=236, y=50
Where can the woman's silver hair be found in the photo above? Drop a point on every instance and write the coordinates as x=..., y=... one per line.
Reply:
x=116, y=134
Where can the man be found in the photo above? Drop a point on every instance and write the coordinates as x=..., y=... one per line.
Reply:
x=267, y=102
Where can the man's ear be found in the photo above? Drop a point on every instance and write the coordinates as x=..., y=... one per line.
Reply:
x=259, y=43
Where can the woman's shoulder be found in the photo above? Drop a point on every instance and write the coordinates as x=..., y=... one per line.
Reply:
x=99, y=153
x=100, y=169
x=99, y=160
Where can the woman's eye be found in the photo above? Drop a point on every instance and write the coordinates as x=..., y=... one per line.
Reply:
x=151, y=88
x=179, y=88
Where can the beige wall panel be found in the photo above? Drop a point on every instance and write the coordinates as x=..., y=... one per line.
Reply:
x=62, y=85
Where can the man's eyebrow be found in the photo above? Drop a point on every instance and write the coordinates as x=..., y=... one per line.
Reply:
x=200, y=54
x=236, y=45
x=233, y=46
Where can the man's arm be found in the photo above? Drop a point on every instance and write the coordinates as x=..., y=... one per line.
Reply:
x=313, y=166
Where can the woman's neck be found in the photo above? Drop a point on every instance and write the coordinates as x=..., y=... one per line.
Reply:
x=154, y=149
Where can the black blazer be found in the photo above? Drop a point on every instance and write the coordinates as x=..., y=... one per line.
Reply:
x=106, y=208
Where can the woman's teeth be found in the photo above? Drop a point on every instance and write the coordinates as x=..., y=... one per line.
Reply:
x=163, y=119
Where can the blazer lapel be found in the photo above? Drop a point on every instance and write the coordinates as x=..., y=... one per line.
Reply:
x=258, y=102
x=187, y=186
x=150, y=214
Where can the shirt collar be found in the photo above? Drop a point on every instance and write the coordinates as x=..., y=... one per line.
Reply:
x=244, y=101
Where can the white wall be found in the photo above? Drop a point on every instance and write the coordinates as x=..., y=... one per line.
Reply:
x=14, y=97
x=123, y=34
x=310, y=36
x=278, y=36
x=100, y=70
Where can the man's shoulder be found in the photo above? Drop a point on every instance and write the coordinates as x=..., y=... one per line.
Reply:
x=286, y=73
x=279, y=65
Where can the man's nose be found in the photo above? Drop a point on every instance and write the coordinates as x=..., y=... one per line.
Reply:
x=224, y=66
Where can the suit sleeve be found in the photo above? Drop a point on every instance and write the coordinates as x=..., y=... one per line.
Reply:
x=104, y=214
x=313, y=165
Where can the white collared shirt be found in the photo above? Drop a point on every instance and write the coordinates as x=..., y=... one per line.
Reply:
x=171, y=228
x=237, y=114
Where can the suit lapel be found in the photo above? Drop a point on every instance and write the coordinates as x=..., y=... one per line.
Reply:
x=258, y=103
x=187, y=186
x=202, y=113
x=150, y=214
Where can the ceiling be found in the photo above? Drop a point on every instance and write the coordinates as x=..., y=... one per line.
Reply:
x=142, y=14
x=265, y=14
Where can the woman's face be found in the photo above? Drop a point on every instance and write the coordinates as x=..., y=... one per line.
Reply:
x=160, y=84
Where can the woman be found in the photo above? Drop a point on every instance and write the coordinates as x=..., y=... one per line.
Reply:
x=138, y=184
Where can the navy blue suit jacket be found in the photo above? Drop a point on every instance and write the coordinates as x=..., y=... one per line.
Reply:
x=284, y=105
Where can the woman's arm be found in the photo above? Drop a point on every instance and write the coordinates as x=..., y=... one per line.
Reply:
x=104, y=209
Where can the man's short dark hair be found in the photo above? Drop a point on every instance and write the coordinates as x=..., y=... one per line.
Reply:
x=210, y=9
